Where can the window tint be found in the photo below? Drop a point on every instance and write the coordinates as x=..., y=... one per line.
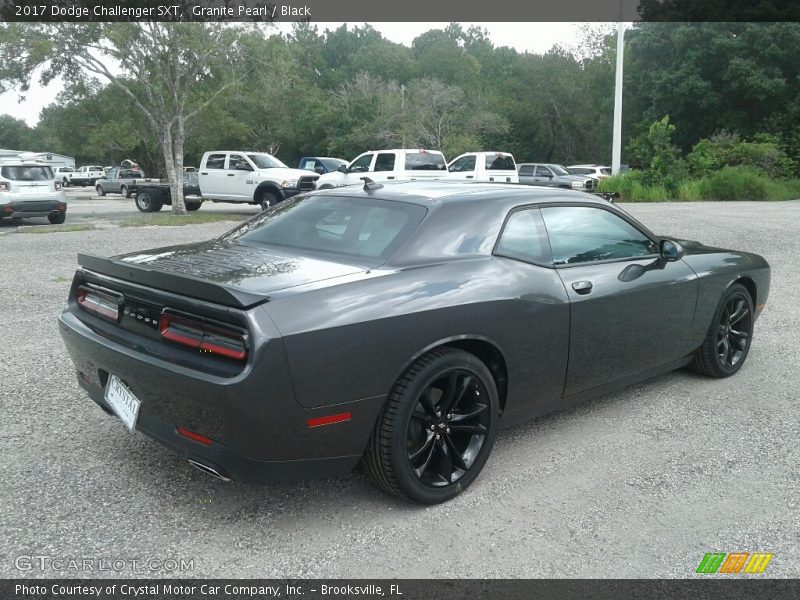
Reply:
x=580, y=171
x=500, y=162
x=384, y=162
x=215, y=161
x=526, y=171
x=465, y=163
x=524, y=238
x=238, y=159
x=542, y=172
x=425, y=161
x=361, y=164
x=368, y=228
x=23, y=173
x=582, y=234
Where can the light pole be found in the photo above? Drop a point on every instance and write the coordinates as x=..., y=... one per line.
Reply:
x=616, y=149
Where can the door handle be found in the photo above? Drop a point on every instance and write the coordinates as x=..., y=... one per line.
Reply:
x=203, y=173
x=469, y=176
x=231, y=174
x=390, y=178
x=582, y=287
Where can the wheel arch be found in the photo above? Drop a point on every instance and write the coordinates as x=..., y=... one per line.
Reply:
x=484, y=349
x=750, y=284
x=267, y=185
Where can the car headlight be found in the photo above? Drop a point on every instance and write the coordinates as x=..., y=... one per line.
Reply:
x=289, y=183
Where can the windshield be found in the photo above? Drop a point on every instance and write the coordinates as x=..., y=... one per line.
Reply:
x=266, y=161
x=558, y=170
x=27, y=173
x=332, y=164
x=367, y=228
x=425, y=161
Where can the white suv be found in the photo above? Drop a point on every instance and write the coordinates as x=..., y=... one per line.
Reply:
x=596, y=171
x=29, y=189
x=388, y=165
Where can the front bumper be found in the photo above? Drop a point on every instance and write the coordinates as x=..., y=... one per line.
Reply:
x=23, y=209
x=258, y=431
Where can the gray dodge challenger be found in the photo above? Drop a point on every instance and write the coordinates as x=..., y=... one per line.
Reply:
x=401, y=324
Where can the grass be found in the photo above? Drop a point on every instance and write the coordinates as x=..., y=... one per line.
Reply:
x=58, y=228
x=729, y=183
x=170, y=220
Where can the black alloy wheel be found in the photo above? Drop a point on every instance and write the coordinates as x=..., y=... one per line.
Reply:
x=729, y=337
x=437, y=428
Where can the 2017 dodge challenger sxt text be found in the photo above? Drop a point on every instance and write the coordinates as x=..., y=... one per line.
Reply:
x=402, y=323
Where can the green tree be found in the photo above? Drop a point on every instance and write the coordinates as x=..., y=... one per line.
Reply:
x=169, y=72
x=14, y=133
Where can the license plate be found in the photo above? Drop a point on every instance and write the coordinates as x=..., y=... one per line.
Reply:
x=122, y=401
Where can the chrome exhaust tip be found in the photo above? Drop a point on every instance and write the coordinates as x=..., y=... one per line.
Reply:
x=208, y=470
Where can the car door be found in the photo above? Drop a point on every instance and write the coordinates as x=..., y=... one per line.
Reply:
x=525, y=173
x=463, y=167
x=113, y=181
x=213, y=177
x=630, y=310
x=240, y=178
x=385, y=167
x=360, y=167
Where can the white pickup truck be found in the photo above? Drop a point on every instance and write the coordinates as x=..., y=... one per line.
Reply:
x=485, y=166
x=83, y=176
x=388, y=165
x=253, y=177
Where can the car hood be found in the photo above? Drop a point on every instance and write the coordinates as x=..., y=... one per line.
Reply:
x=252, y=269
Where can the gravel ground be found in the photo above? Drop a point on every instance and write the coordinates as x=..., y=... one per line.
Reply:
x=640, y=483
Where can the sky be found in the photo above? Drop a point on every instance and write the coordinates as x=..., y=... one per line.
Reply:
x=523, y=37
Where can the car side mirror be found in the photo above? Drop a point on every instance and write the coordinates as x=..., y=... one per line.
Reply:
x=342, y=169
x=670, y=250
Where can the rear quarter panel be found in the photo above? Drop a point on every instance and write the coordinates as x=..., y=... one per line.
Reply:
x=354, y=340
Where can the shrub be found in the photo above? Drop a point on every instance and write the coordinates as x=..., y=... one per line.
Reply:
x=735, y=183
x=634, y=187
x=727, y=150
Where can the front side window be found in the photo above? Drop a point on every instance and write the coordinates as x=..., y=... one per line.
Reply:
x=543, y=172
x=580, y=234
x=525, y=238
x=361, y=164
x=463, y=164
x=237, y=160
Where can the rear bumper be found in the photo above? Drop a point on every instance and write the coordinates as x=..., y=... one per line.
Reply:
x=258, y=432
x=20, y=209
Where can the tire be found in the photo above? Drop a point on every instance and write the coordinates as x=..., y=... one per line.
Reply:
x=267, y=198
x=408, y=452
x=729, y=336
x=146, y=203
x=57, y=218
x=124, y=191
x=193, y=206
x=65, y=182
x=100, y=191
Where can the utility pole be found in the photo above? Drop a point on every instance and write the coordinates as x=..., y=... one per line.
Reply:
x=616, y=150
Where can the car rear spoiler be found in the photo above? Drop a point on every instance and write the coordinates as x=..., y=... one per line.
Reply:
x=177, y=283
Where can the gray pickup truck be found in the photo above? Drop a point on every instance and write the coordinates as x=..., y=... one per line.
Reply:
x=121, y=181
x=551, y=175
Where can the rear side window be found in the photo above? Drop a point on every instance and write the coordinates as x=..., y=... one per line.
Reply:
x=524, y=238
x=384, y=162
x=580, y=171
x=425, y=161
x=500, y=162
x=526, y=171
x=26, y=173
x=367, y=228
x=216, y=161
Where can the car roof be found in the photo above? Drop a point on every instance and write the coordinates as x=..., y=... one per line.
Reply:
x=427, y=193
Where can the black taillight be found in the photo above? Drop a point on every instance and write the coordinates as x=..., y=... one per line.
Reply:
x=101, y=302
x=201, y=335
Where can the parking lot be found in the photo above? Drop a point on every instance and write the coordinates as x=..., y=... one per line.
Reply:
x=640, y=483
